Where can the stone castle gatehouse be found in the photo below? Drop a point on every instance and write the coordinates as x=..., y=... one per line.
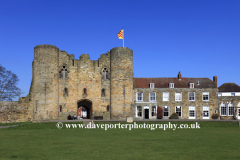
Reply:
x=62, y=85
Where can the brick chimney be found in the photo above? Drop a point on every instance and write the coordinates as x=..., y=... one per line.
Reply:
x=215, y=79
x=179, y=75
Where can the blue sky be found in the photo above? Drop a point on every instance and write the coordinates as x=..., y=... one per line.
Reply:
x=200, y=38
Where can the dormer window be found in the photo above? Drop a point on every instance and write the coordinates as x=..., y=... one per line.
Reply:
x=191, y=85
x=171, y=85
x=151, y=85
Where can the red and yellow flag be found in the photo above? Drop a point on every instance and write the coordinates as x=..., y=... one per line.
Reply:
x=120, y=34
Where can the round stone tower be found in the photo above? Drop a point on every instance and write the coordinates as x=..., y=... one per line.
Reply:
x=121, y=65
x=44, y=82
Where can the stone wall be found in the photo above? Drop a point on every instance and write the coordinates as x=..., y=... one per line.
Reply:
x=13, y=111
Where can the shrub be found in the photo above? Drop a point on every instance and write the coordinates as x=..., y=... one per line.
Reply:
x=215, y=116
x=174, y=116
x=159, y=112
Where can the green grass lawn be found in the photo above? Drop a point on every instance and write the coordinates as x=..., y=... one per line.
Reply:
x=214, y=140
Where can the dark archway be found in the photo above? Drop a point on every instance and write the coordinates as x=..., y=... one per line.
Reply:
x=85, y=106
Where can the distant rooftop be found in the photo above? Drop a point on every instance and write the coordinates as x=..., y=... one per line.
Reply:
x=229, y=87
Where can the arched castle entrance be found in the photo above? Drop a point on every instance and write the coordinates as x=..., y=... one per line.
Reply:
x=84, y=109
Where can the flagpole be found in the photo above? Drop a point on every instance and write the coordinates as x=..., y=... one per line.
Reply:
x=123, y=37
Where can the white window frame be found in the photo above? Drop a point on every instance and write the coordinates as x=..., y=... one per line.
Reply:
x=151, y=85
x=238, y=110
x=189, y=96
x=223, y=107
x=152, y=97
x=192, y=108
x=231, y=105
x=166, y=98
x=191, y=85
x=180, y=96
x=238, y=113
x=137, y=97
x=180, y=111
x=139, y=112
x=206, y=108
x=171, y=85
x=232, y=94
x=168, y=110
x=204, y=94
x=152, y=111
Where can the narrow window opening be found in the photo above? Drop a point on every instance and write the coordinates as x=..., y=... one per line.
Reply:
x=103, y=93
x=60, y=108
x=65, y=92
x=85, y=91
x=108, y=108
x=36, y=105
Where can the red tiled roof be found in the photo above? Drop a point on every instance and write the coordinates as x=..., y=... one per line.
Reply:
x=178, y=83
x=229, y=87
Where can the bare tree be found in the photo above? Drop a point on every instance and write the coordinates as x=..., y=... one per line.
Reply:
x=8, y=82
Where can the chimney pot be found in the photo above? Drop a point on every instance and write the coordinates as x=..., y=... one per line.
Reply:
x=179, y=75
x=215, y=79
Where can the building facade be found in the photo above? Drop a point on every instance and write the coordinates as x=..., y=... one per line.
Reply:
x=190, y=98
x=105, y=88
x=229, y=101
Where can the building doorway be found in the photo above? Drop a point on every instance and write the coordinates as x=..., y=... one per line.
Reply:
x=84, y=109
x=146, y=112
